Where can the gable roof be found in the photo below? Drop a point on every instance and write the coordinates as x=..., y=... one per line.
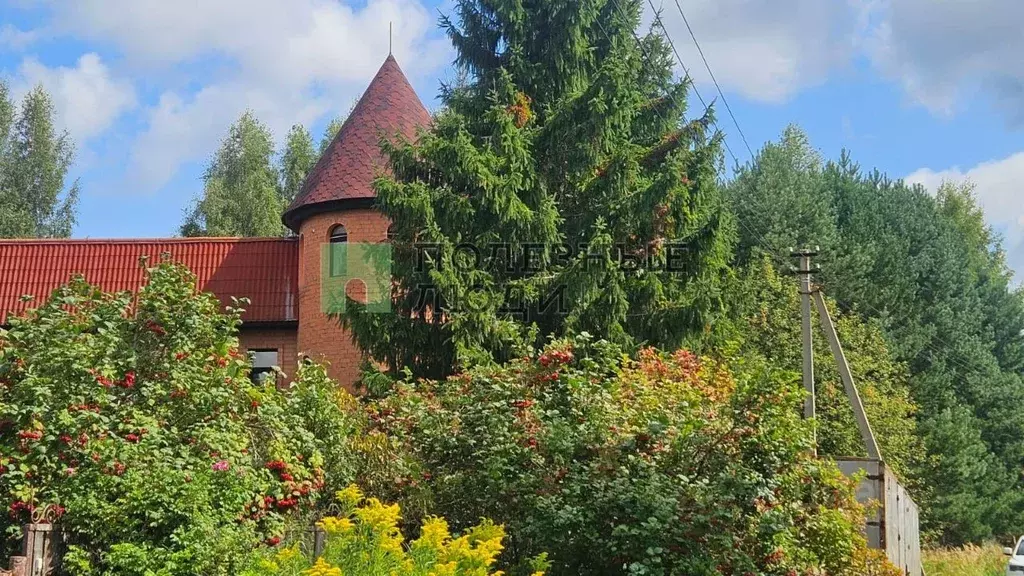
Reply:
x=261, y=269
x=348, y=166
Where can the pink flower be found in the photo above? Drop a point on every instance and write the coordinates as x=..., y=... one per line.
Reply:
x=221, y=466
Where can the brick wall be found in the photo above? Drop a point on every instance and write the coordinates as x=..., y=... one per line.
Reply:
x=284, y=340
x=320, y=337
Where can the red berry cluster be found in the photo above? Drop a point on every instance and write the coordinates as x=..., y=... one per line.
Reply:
x=277, y=465
x=30, y=435
x=155, y=328
x=18, y=507
x=555, y=357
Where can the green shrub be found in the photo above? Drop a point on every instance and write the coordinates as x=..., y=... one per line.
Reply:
x=134, y=421
x=669, y=464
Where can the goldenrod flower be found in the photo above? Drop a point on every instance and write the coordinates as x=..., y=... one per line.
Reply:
x=335, y=525
x=322, y=568
x=350, y=496
x=434, y=533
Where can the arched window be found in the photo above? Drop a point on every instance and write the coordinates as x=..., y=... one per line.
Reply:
x=338, y=250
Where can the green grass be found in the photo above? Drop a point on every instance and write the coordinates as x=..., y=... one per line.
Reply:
x=970, y=560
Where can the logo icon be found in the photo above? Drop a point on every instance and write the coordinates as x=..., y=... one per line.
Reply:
x=360, y=271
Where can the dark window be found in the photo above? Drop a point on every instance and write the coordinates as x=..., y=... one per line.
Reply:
x=263, y=362
x=339, y=239
x=391, y=232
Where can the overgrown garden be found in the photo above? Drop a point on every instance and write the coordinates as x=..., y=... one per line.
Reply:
x=558, y=404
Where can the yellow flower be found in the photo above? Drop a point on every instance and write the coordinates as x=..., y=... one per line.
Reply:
x=446, y=569
x=350, y=496
x=382, y=519
x=434, y=534
x=287, y=553
x=335, y=525
x=322, y=568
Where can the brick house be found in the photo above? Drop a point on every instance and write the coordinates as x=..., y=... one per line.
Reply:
x=280, y=276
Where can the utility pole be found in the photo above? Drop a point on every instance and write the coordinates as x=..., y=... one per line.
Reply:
x=807, y=291
x=804, y=271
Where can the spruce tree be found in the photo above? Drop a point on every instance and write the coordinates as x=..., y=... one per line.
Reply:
x=34, y=162
x=553, y=170
x=240, y=192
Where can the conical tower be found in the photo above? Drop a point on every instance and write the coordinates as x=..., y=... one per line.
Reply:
x=336, y=207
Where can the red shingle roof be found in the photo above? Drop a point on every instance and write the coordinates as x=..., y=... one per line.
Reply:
x=261, y=269
x=347, y=168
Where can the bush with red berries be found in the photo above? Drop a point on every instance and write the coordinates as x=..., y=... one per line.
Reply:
x=667, y=463
x=133, y=421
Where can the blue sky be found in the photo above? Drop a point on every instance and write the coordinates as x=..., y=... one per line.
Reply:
x=924, y=89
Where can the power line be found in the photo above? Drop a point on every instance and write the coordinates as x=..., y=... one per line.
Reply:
x=759, y=236
x=643, y=51
x=713, y=79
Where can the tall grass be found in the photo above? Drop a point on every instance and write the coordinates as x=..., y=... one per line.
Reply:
x=970, y=560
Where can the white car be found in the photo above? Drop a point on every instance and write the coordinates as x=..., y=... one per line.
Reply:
x=1015, y=567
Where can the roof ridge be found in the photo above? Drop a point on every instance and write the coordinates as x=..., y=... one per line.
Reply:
x=173, y=240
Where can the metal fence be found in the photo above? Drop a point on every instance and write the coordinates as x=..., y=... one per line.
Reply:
x=892, y=523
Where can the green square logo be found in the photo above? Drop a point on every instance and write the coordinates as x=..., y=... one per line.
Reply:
x=355, y=266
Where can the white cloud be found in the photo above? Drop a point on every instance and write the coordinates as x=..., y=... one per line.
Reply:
x=942, y=52
x=999, y=192
x=15, y=38
x=287, y=60
x=766, y=50
x=183, y=130
x=87, y=97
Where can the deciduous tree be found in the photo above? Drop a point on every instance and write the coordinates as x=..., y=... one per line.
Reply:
x=35, y=201
x=240, y=193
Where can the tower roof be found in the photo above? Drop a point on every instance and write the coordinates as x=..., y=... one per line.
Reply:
x=348, y=166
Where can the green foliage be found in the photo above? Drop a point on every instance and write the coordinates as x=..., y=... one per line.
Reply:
x=565, y=133
x=135, y=422
x=363, y=539
x=934, y=277
x=240, y=192
x=332, y=129
x=297, y=160
x=669, y=464
x=765, y=320
x=34, y=162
